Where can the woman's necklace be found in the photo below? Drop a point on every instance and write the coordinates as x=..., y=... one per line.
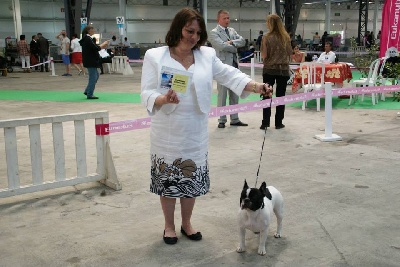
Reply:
x=187, y=60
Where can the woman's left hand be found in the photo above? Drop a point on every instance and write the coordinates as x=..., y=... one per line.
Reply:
x=171, y=97
x=267, y=90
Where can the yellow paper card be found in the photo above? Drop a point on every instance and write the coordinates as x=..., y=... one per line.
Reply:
x=180, y=83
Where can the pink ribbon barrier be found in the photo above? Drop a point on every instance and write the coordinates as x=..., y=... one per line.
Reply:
x=142, y=123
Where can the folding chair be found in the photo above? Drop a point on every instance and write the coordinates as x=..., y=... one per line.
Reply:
x=371, y=80
x=312, y=78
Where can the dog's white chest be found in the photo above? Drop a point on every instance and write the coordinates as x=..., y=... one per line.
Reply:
x=254, y=221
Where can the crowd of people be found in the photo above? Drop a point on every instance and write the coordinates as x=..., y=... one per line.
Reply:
x=37, y=51
x=35, y=55
x=85, y=55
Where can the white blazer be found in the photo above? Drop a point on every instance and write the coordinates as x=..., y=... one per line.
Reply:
x=207, y=67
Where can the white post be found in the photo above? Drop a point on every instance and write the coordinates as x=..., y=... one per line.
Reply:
x=17, y=18
x=252, y=68
x=53, y=70
x=328, y=136
x=328, y=16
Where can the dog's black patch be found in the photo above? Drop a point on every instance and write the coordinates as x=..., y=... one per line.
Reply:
x=243, y=194
x=257, y=199
x=265, y=191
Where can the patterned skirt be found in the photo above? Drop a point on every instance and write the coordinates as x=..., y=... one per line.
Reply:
x=179, y=151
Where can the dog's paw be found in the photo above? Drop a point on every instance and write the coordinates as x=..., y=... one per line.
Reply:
x=277, y=235
x=262, y=251
x=240, y=249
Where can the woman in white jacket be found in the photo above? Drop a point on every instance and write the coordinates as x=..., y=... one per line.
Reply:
x=176, y=90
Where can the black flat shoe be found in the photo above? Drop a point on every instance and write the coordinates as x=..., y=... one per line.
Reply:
x=92, y=97
x=221, y=125
x=280, y=126
x=196, y=237
x=264, y=127
x=170, y=240
x=239, y=124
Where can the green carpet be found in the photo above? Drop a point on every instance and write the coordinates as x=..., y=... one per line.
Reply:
x=134, y=98
x=65, y=96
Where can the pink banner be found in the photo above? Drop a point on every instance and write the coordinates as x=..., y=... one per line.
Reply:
x=390, y=31
x=142, y=123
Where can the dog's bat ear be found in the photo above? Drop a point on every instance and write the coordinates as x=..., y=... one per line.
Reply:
x=245, y=186
x=263, y=187
x=265, y=191
x=268, y=194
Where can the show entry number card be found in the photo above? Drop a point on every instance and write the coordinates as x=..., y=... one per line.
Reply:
x=175, y=79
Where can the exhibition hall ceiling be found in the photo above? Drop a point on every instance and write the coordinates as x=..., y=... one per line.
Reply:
x=311, y=4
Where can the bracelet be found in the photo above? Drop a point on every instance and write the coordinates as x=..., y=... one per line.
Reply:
x=254, y=88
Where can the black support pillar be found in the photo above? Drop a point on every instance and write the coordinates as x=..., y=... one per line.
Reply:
x=73, y=14
x=362, y=20
x=291, y=14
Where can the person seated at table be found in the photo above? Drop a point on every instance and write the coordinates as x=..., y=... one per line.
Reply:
x=328, y=56
x=113, y=43
x=126, y=43
x=297, y=56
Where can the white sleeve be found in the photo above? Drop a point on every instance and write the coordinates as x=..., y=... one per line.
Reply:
x=149, y=82
x=230, y=77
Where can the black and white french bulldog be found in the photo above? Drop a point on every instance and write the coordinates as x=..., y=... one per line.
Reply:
x=255, y=214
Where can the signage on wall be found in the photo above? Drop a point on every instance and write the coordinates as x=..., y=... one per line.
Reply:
x=120, y=24
x=83, y=23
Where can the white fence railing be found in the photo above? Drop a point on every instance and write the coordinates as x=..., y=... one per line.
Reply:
x=105, y=170
x=257, y=56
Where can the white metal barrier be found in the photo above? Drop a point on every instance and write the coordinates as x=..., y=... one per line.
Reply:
x=105, y=170
x=120, y=64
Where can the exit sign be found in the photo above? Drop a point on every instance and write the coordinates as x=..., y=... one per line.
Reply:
x=337, y=14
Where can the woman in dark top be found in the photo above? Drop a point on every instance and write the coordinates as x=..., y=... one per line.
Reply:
x=34, y=51
x=275, y=51
x=91, y=59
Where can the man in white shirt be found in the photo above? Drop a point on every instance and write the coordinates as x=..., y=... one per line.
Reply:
x=65, y=45
x=328, y=56
x=126, y=43
x=113, y=43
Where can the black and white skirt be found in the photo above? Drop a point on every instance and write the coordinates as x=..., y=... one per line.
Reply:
x=179, y=151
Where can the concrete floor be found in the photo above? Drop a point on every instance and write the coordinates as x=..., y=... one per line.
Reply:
x=342, y=199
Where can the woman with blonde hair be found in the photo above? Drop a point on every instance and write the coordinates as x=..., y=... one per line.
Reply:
x=275, y=52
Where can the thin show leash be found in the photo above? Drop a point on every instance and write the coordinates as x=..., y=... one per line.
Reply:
x=262, y=147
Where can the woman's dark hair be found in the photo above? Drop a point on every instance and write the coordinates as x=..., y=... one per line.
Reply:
x=86, y=30
x=22, y=37
x=74, y=35
x=183, y=17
